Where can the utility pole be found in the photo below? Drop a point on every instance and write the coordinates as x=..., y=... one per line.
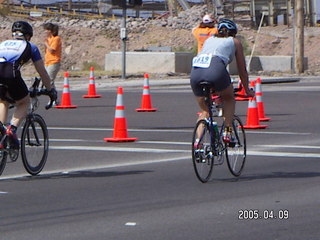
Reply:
x=298, y=36
x=70, y=5
x=123, y=36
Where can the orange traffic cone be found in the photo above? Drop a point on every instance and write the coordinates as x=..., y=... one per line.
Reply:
x=242, y=92
x=92, y=86
x=66, y=95
x=252, y=113
x=260, y=104
x=146, y=105
x=120, y=133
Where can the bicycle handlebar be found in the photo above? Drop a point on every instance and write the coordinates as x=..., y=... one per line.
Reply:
x=35, y=91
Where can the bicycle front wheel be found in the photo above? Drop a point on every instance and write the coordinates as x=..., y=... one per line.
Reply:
x=236, y=150
x=34, y=144
x=202, y=151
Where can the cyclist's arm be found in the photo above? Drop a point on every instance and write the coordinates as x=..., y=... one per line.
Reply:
x=39, y=65
x=241, y=64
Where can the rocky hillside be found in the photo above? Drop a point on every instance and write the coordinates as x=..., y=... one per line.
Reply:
x=85, y=43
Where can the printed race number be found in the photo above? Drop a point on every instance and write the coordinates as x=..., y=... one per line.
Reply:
x=202, y=61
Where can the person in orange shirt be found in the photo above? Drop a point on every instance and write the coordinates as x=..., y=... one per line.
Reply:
x=205, y=30
x=53, y=49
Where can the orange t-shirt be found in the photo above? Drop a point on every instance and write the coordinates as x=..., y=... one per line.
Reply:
x=201, y=34
x=56, y=44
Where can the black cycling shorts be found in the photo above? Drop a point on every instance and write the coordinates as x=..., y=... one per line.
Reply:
x=17, y=88
x=216, y=74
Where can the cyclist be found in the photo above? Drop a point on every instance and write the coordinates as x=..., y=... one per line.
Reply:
x=210, y=65
x=13, y=54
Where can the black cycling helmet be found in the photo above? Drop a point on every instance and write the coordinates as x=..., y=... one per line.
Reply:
x=23, y=27
x=229, y=25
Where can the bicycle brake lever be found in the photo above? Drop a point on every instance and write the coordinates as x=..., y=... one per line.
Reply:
x=48, y=106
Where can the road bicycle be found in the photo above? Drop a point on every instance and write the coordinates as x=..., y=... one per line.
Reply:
x=208, y=147
x=34, y=144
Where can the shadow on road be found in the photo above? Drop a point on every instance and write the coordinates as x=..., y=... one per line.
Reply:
x=79, y=174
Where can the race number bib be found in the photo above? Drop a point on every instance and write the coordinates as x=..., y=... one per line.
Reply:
x=202, y=61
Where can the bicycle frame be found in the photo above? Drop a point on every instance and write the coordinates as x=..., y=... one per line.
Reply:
x=208, y=147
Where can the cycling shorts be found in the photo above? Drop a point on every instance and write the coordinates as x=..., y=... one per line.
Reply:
x=216, y=74
x=17, y=88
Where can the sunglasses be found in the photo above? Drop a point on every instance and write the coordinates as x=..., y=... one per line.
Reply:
x=17, y=34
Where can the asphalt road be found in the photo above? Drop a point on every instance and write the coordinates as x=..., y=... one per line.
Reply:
x=147, y=189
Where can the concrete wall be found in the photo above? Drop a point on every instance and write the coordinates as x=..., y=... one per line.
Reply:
x=151, y=62
x=171, y=62
x=268, y=64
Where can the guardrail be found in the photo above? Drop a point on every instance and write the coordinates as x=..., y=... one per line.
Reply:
x=49, y=12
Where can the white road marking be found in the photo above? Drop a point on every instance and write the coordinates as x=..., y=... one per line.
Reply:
x=116, y=149
x=170, y=130
x=131, y=224
x=283, y=154
x=153, y=161
x=289, y=146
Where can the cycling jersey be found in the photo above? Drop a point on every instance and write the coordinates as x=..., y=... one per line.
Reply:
x=220, y=47
x=13, y=54
x=12, y=50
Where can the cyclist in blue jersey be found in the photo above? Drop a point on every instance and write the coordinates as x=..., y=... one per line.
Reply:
x=13, y=54
x=210, y=65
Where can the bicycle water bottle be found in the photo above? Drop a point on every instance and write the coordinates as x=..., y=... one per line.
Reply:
x=215, y=129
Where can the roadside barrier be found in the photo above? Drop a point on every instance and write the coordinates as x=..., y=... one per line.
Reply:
x=260, y=103
x=92, y=86
x=252, y=113
x=66, y=95
x=146, y=105
x=120, y=133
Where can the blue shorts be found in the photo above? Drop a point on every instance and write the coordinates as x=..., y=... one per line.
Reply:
x=216, y=74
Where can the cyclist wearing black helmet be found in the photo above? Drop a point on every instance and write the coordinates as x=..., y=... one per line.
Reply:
x=210, y=65
x=13, y=54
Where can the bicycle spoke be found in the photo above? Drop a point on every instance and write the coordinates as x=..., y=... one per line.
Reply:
x=236, y=149
x=202, y=152
x=34, y=144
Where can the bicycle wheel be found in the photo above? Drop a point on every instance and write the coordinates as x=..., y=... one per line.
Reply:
x=236, y=150
x=202, y=151
x=34, y=144
x=3, y=157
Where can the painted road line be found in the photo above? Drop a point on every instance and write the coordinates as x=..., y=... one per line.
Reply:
x=156, y=150
x=165, y=142
x=117, y=149
x=153, y=161
x=283, y=154
x=71, y=140
x=170, y=130
x=289, y=146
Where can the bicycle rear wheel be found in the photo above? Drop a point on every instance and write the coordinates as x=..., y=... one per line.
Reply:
x=34, y=144
x=236, y=150
x=3, y=159
x=202, y=151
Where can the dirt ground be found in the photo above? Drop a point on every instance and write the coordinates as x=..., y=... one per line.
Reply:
x=85, y=47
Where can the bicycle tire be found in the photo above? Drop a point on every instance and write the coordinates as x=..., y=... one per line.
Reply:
x=3, y=158
x=34, y=144
x=202, y=151
x=236, y=151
